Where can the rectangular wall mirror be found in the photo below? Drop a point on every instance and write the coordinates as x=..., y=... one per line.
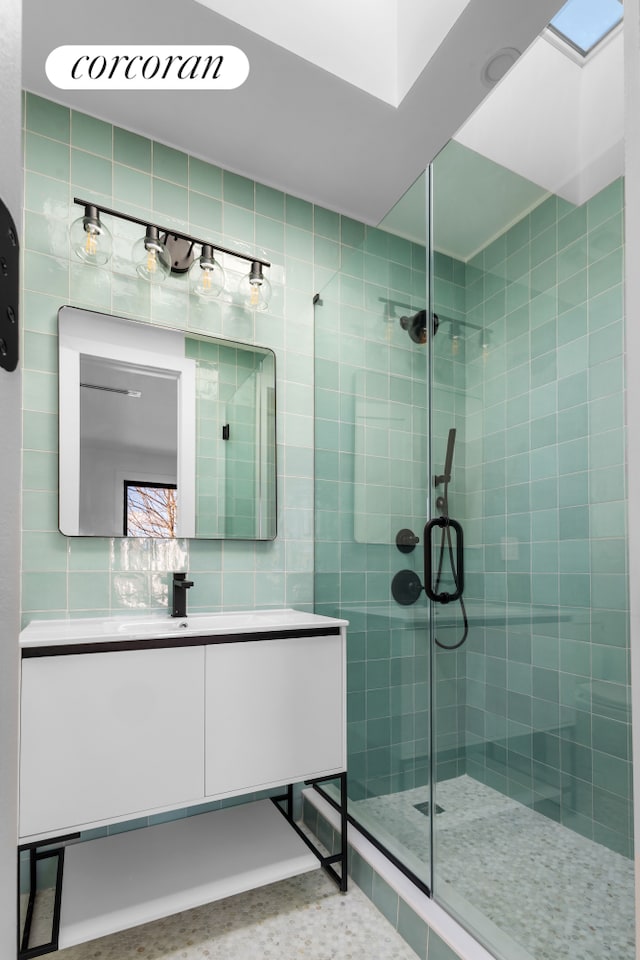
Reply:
x=163, y=433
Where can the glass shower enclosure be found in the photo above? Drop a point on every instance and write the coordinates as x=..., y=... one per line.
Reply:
x=471, y=526
x=533, y=850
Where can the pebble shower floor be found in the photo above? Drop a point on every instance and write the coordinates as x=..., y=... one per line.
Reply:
x=557, y=894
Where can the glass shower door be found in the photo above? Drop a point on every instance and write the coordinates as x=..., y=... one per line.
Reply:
x=532, y=787
x=372, y=489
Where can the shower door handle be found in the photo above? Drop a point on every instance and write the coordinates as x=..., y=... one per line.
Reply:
x=443, y=597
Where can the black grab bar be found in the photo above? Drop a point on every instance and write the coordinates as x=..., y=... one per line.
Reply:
x=443, y=597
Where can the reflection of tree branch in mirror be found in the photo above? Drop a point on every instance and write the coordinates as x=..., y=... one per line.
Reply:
x=151, y=511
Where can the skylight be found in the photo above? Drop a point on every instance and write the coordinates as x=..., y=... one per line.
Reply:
x=584, y=23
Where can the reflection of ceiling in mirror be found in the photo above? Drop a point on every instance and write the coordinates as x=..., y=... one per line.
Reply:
x=147, y=422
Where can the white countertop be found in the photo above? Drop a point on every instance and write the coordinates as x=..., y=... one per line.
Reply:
x=44, y=633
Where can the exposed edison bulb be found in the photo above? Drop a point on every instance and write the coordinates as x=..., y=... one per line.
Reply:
x=151, y=257
x=255, y=289
x=206, y=276
x=90, y=239
x=484, y=341
x=454, y=336
x=152, y=260
x=91, y=243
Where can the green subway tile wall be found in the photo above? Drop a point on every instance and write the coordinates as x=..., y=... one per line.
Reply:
x=539, y=484
x=70, y=154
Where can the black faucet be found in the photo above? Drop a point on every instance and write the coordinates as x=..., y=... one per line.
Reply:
x=180, y=587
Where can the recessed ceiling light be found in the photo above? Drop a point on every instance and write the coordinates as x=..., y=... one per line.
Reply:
x=499, y=64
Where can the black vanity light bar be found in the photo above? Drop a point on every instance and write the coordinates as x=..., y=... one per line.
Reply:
x=168, y=231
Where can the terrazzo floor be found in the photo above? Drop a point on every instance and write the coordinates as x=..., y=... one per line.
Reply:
x=559, y=895
x=304, y=917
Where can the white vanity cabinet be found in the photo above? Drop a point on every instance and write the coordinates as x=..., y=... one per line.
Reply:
x=274, y=712
x=123, y=719
x=105, y=736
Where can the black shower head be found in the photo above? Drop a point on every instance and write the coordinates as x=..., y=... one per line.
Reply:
x=416, y=325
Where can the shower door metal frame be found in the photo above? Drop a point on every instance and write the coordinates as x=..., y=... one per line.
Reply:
x=429, y=517
x=391, y=857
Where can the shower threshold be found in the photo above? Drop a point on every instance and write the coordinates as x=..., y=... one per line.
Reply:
x=507, y=870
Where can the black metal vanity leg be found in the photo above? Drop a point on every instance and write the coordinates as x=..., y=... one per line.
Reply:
x=340, y=879
x=57, y=905
x=344, y=845
x=26, y=931
x=25, y=952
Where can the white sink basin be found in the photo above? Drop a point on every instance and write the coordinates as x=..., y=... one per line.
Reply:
x=41, y=633
x=150, y=627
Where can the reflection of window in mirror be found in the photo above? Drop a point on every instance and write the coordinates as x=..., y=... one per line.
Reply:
x=150, y=509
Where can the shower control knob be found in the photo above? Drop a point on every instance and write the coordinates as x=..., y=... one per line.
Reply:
x=406, y=540
x=406, y=587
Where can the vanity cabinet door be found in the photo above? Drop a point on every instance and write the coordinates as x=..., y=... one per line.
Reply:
x=275, y=712
x=108, y=735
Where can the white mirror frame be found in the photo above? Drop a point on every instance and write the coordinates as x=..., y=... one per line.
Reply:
x=136, y=343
